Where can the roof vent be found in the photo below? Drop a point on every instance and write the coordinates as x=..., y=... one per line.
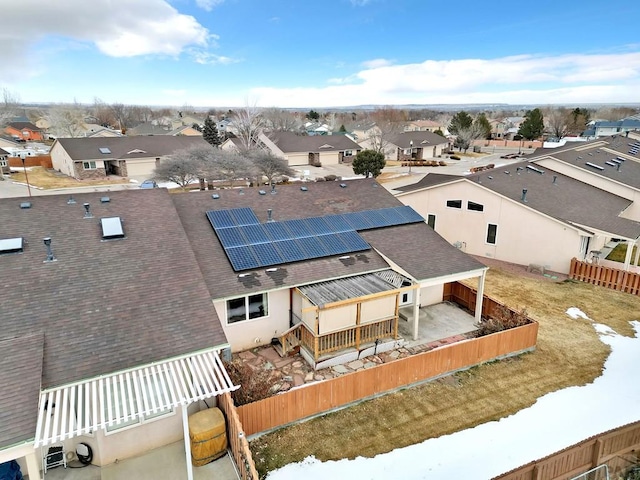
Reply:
x=490, y=177
x=269, y=215
x=304, y=189
x=111, y=228
x=241, y=192
x=343, y=185
x=534, y=169
x=507, y=172
x=215, y=196
x=273, y=189
x=518, y=169
x=555, y=179
x=105, y=200
x=593, y=165
x=25, y=205
x=11, y=245
x=611, y=163
x=262, y=192
x=50, y=257
x=87, y=210
x=524, y=195
x=71, y=201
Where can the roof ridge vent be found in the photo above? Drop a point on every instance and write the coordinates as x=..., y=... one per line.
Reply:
x=593, y=165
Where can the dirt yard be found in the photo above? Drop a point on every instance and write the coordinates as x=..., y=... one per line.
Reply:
x=46, y=179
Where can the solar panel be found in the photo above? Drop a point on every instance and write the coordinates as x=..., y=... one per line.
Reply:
x=312, y=247
x=290, y=251
x=241, y=258
x=277, y=231
x=221, y=218
x=333, y=244
x=298, y=228
x=409, y=214
x=354, y=241
x=231, y=237
x=316, y=225
x=244, y=216
x=266, y=254
x=337, y=223
x=255, y=234
x=358, y=221
x=375, y=218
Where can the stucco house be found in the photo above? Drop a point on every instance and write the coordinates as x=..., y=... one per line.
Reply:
x=325, y=266
x=604, y=128
x=26, y=131
x=124, y=156
x=525, y=213
x=4, y=162
x=313, y=150
x=425, y=126
x=416, y=145
x=107, y=331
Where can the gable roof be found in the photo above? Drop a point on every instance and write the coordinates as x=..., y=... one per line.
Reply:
x=322, y=198
x=23, y=125
x=419, y=138
x=103, y=306
x=153, y=146
x=429, y=180
x=289, y=142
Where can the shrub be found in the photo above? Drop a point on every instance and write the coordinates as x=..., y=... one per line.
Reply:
x=255, y=384
x=502, y=319
x=432, y=163
x=454, y=157
x=442, y=163
x=319, y=179
x=331, y=178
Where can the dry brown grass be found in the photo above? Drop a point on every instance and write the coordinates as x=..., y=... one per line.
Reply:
x=47, y=179
x=568, y=353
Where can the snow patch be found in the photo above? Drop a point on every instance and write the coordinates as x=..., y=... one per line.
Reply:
x=576, y=313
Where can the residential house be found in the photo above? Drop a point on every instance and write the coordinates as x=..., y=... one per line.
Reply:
x=498, y=129
x=425, y=126
x=605, y=128
x=95, y=130
x=124, y=156
x=525, y=214
x=25, y=131
x=151, y=128
x=4, y=161
x=313, y=150
x=328, y=263
x=107, y=331
x=416, y=145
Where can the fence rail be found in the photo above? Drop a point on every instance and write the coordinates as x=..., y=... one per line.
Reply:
x=316, y=398
x=617, y=448
x=613, y=278
x=237, y=440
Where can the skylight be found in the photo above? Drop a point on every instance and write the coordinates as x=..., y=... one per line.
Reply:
x=105, y=150
x=11, y=245
x=111, y=228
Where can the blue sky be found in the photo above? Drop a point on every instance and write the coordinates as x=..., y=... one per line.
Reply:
x=297, y=53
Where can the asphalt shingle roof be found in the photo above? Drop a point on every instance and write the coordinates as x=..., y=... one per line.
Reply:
x=420, y=139
x=289, y=142
x=20, y=374
x=151, y=146
x=103, y=306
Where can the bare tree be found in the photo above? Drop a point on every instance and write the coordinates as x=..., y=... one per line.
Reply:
x=248, y=123
x=278, y=120
x=556, y=120
x=225, y=165
x=102, y=113
x=465, y=136
x=122, y=114
x=182, y=167
x=389, y=123
x=268, y=165
x=66, y=120
x=9, y=106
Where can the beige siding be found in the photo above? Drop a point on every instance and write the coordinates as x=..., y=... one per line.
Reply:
x=329, y=158
x=141, y=167
x=300, y=158
x=258, y=331
x=378, y=309
x=523, y=235
x=431, y=295
x=61, y=160
x=337, y=318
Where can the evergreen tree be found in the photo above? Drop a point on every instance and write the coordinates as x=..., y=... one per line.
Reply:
x=483, y=125
x=533, y=125
x=460, y=121
x=368, y=163
x=210, y=132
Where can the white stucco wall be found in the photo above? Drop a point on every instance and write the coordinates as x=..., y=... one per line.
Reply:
x=61, y=161
x=431, y=295
x=523, y=236
x=258, y=331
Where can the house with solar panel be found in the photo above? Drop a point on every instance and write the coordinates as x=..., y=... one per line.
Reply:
x=107, y=333
x=564, y=203
x=323, y=268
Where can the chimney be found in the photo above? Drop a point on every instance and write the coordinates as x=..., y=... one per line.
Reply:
x=87, y=211
x=47, y=243
x=524, y=195
x=269, y=215
x=555, y=179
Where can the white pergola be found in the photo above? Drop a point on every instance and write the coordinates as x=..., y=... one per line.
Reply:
x=106, y=401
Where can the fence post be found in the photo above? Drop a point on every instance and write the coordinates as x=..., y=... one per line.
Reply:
x=597, y=453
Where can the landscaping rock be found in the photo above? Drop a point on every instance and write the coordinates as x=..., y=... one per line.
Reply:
x=355, y=365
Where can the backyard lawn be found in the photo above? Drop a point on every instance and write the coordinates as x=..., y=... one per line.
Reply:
x=568, y=353
x=46, y=179
x=619, y=252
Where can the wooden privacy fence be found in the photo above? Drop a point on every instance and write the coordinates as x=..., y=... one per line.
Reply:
x=617, y=448
x=320, y=397
x=465, y=296
x=237, y=440
x=628, y=282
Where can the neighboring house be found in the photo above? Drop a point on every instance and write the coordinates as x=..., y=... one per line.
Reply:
x=418, y=145
x=498, y=129
x=314, y=260
x=95, y=130
x=316, y=128
x=124, y=156
x=108, y=336
x=151, y=128
x=313, y=150
x=424, y=126
x=26, y=131
x=523, y=214
x=607, y=128
x=7, y=142
x=4, y=162
x=362, y=131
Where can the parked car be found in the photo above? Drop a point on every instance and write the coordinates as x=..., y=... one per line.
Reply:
x=149, y=184
x=510, y=155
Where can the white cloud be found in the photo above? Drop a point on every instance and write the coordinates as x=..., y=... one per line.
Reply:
x=208, y=4
x=516, y=79
x=376, y=63
x=142, y=27
x=208, y=58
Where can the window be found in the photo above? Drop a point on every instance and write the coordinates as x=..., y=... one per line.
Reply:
x=476, y=207
x=89, y=165
x=348, y=153
x=431, y=220
x=3, y=162
x=247, y=308
x=492, y=231
x=454, y=203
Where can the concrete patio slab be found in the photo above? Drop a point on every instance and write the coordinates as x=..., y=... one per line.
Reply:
x=436, y=322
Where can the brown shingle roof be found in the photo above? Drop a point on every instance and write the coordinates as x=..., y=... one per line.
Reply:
x=152, y=146
x=23, y=125
x=289, y=142
x=104, y=306
x=429, y=180
x=322, y=198
x=20, y=374
x=420, y=139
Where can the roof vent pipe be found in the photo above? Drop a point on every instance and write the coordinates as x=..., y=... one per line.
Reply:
x=71, y=201
x=273, y=189
x=87, y=210
x=555, y=179
x=524, y=195
x=47, y=243
x=618, y=168
x=269, y=215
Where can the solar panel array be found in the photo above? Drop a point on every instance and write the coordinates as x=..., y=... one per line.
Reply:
x=250, y=244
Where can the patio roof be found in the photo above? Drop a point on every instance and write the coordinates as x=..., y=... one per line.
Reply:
x=102, y=402
x=332, y=291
